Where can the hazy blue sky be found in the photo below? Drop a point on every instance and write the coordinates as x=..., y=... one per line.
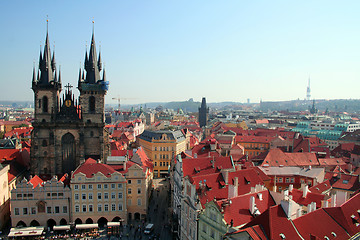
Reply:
x=174, y=50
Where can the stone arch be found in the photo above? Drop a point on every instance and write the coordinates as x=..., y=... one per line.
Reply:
x=50, y=223
x=21, y=224
x=137, y=216
x=34, y=223
x=68, y=151
x=89, y=221
x=78, y=221
x=91, y=104
x=116, y=219
x=102, y=222
x=45, y=104
x=63, y=221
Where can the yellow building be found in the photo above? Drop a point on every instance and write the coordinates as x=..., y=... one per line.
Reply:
x=254, y=145
x=161, y=147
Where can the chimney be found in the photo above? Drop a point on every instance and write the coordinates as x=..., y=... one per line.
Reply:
x=225, y=175
x=291, y=187
x=212, y=146
x=313, y=204
x=233, y=189
x=287, y=206
x=195, y=155
x=305, y=190
x=298, y=212
x=309, y=208
x=333, y=200
x=274, y=188
x=286, y=194
x=252, y=205
x=324, y=203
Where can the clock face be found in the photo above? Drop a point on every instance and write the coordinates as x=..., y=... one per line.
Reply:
x=68, y=103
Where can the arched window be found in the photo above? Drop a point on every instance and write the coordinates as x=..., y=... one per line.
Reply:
x=91, y=104
x=45, y=104
x=68, y=150
x=44, y=143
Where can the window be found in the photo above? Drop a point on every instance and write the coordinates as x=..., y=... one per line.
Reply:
x=19, y=196
x=84, y=208
x=48, y=210
x=106, y=207
x=90, y=196
x=45, y=104
x=129, y=202
x=60, y=194
x=83, y=186
x=204, y=228
x=57, y=209
x=99, y=196
x=129, y=190
x=105, y=186
x=90, y=208
x=287, y=180
x=91, y=104
x=99, y=186
x=139, y=191
x=212, y=233
x=120, y=186
x=106, y=195
x=113, y=195
x=139, y=181
x=113, y=186
x=83, y=196
x=120, y=195
x=280, y=179
x=99, y=207
x=120, y=207
x=139, y=202
x=292, y=180
x=129, y=181
x=155, y=163
x=33, y=210
x=64, y=209
x=17, y=212
x=76, y=187
x=113, y=207
x=76, y=196
x=90, y=186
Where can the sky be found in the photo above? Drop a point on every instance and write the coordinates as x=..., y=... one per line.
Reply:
x=168, y=50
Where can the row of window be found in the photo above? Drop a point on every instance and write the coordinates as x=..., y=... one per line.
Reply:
x=99, y=186
x=89, y=196
x=100, y=207
x=164, y=149
x=31, y=196
x=162, y=156
x=287, y=180
x=162, y=164
x=32, y=210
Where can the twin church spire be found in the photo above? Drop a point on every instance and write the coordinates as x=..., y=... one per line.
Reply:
x=47, y=75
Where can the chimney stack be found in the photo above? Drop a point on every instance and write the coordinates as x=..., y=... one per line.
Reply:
x=333, y=200
x=225, y=174
x=305, y=190
x=252, y=205
x=291, y=187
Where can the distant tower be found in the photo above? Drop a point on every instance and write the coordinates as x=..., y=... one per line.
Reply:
x=308, y=91
x=203, y=111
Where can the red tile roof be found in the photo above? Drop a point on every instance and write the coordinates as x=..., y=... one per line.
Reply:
x=91, y=166
x=203, y=165
x=36, y=181
x=321, y=187
x=238, y=210
x=297, y=196
x=276, y=157
x=347, y=182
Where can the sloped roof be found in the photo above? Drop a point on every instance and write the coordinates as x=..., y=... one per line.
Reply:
x=238, y=211
x=297, y=196
x=275, y=157
x=91, y=166
x=321, y=187
x=36, y=181
x=347, y=182
x=203, y=165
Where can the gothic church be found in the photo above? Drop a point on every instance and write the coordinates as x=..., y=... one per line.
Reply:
x=67, y=131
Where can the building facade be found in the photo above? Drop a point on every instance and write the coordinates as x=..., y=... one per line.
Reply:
x=40, y=203
x=98, y=194
x=67, y=130
x=161, y=147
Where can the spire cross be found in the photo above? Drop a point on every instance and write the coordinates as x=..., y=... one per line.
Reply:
x=68, y=86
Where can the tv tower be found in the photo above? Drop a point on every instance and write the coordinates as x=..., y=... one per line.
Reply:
x=308, y=91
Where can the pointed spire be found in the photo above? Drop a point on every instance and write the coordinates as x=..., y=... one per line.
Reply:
x=99, y=62
x=53, y=63
x=104, y=76
x=55, y=77
x=80, y=78
x=59, y=79
x=34, y=76
x=91, y=64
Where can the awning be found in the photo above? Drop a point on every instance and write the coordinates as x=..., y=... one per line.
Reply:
x=26, y=231
x=61, y=228
x=86, y=226
x=113, y=224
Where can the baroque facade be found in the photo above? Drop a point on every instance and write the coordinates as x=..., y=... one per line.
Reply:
x=67, y=130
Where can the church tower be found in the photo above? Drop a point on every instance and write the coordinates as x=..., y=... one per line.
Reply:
x=203, y=112
x=67, y=131
x=46, y=86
